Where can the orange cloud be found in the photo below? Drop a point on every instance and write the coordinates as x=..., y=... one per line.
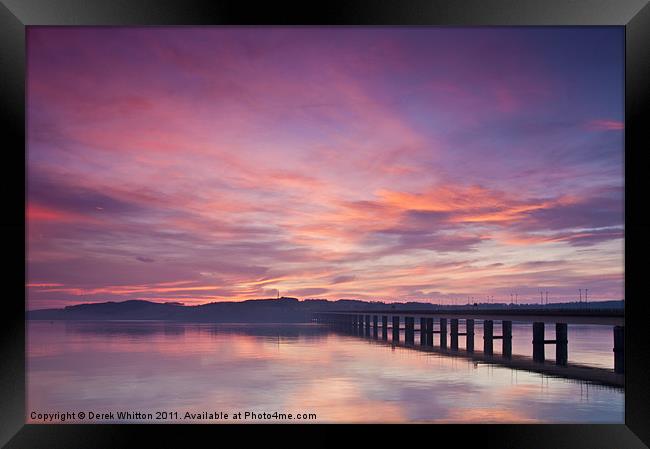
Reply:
x=605, y=125
x=39, y=213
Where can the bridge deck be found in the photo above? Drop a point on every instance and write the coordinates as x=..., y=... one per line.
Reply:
x=602, y=317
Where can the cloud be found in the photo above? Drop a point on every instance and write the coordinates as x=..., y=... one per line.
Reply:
x=320, y=162
x=590, y=237
x=605, y=125
x=602, y=208
x=400, y=240
x=342, y=279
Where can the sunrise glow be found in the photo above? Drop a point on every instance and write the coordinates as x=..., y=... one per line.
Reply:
x=394, y=164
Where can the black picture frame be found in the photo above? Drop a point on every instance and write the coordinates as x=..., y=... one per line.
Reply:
x=634, y=15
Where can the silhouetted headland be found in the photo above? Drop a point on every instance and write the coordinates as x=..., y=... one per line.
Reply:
x=282, y=310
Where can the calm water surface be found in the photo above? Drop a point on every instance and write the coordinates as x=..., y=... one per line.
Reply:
x=156, y=366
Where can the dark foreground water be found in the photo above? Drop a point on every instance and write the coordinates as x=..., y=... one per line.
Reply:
x=185, y=372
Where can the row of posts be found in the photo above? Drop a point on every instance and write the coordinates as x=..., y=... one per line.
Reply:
x=361, y=324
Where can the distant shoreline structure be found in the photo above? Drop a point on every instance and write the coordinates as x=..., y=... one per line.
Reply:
x=287, y=310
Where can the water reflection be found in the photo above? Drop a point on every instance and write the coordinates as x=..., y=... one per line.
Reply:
x=147, y=328
x=151, y=366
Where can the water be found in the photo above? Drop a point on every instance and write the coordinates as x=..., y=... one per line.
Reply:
x=155, y=366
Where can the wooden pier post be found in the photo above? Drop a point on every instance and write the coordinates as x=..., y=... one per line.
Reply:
x=561, y=344
x=453, y=324
x=506, y=333
x=619, y=352
x=488, y=337
x=429, y=331
x=409, y=325
x=538, y=342
x=423, y=331
x=384, y=327
x=375, y=329
x=360, y=326
x=469, y=330
x=395, y=328
x=367, y=325
x=443, y=333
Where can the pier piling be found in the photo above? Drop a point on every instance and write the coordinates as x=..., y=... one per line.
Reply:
x=619, y=345
x=453, y=324
x=395, y=328
x=423, y=331
x=506, y=333
x=538, y=342
x=469, y=330
x=409, y=325
x=488, y=337
x=443, y=332
x=561, y=344
x=429, y=332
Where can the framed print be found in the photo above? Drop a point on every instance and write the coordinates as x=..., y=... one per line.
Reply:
x=359, y=213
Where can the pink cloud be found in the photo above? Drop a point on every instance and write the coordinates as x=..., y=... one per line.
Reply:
x=365, y=163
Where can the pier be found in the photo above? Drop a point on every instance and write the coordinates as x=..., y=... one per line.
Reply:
x=445, y=323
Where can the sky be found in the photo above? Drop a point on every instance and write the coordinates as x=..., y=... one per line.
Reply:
x=395, y=164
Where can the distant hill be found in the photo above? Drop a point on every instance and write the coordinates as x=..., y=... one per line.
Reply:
x=282, y=310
